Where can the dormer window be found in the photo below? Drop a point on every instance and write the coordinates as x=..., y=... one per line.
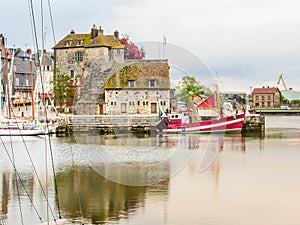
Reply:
x=131, y=83
x=152, y=83
x=79, y=42
x=68, y=43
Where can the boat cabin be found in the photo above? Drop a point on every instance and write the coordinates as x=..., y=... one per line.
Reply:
x=179, y=118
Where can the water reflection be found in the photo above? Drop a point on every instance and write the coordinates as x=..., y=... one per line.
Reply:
x=85, y=194
x=204, y=179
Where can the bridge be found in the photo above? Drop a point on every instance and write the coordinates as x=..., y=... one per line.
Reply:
x=277, y=111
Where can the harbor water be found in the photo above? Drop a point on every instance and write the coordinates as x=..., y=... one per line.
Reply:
x=129, y=179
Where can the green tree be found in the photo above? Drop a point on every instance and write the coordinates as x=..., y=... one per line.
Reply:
x=189, y=84
x=63, y=89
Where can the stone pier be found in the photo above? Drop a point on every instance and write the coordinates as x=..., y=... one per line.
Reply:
x=254, y=125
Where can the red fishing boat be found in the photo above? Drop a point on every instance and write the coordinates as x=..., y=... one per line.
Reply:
x=205, y=118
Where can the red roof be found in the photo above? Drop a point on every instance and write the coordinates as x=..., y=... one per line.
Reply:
x=265, y=90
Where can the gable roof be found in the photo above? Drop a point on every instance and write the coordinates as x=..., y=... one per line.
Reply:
x=265, y=90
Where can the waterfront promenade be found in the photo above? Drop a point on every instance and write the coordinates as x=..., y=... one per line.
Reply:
x=277, y=111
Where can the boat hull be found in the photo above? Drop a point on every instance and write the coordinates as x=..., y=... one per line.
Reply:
x=224, y=124
x=20, y=132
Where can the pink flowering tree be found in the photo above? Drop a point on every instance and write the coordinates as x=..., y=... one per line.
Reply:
x=131, y=50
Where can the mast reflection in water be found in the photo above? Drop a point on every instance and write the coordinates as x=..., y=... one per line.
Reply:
x=204, y=179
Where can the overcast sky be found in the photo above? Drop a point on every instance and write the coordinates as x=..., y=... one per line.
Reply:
x=244, y=43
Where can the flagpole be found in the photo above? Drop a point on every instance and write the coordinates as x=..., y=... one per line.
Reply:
x=164, y=46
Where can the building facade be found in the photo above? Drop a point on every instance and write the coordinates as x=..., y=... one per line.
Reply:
x=106, y=82
x=76, y=52
x=24, y=77
x=139, y=88
x=265, y=98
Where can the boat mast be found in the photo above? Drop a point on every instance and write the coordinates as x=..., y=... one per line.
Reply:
x=31, y=84
x=218, y=100
x=7, y=86
x=0, y=82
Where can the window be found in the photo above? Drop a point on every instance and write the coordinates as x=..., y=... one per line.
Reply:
x=68, y=43
x=269, y=97
x=118, y=52
x=72, y=73
x=79, y=56
x=17, y=81
x=262, y=98
x=79, y=42
x=257, y=98
x=113, y=103
x=131, y=83
x=151, y=83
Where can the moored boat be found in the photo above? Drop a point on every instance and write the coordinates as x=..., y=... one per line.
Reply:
x=204, y=118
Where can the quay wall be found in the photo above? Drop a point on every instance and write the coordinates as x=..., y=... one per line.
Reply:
x=109, y=123
x=254, y=124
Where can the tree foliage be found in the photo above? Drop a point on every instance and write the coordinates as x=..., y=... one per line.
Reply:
x=131, y=50
x=189, y=84
x=63, y=88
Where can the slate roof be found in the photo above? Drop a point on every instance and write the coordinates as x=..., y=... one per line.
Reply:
x=99, y=41
x=22, y=63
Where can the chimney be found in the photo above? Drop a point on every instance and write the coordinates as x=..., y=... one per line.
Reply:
x=94, y=32
x=101, y=31
x=116, y=33
x=72, y=31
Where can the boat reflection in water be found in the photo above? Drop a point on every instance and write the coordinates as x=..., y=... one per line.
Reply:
x=104, y=179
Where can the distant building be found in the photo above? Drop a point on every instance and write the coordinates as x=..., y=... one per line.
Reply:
x=138, y=88
x=47, y=69
x=24, y=77
x=265, y=98
x=290, y=96
x=238, y=97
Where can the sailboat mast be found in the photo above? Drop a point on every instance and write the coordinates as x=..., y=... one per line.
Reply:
x=1, y=83
x=31, y=84
x=7, y=86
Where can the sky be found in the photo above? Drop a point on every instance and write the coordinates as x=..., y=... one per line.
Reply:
x=244, y=44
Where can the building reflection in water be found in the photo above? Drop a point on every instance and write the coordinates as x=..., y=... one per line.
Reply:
x=84, y=194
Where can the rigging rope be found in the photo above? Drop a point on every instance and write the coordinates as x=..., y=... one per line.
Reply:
x=17, y=184
x=19, y=177
x=43, y=102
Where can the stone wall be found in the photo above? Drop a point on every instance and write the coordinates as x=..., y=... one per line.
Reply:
x=93, y=90
x=254, y=125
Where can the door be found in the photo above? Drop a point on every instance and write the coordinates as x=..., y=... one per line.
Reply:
x=153, y=108
x=123, y=107
x=101, y=110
